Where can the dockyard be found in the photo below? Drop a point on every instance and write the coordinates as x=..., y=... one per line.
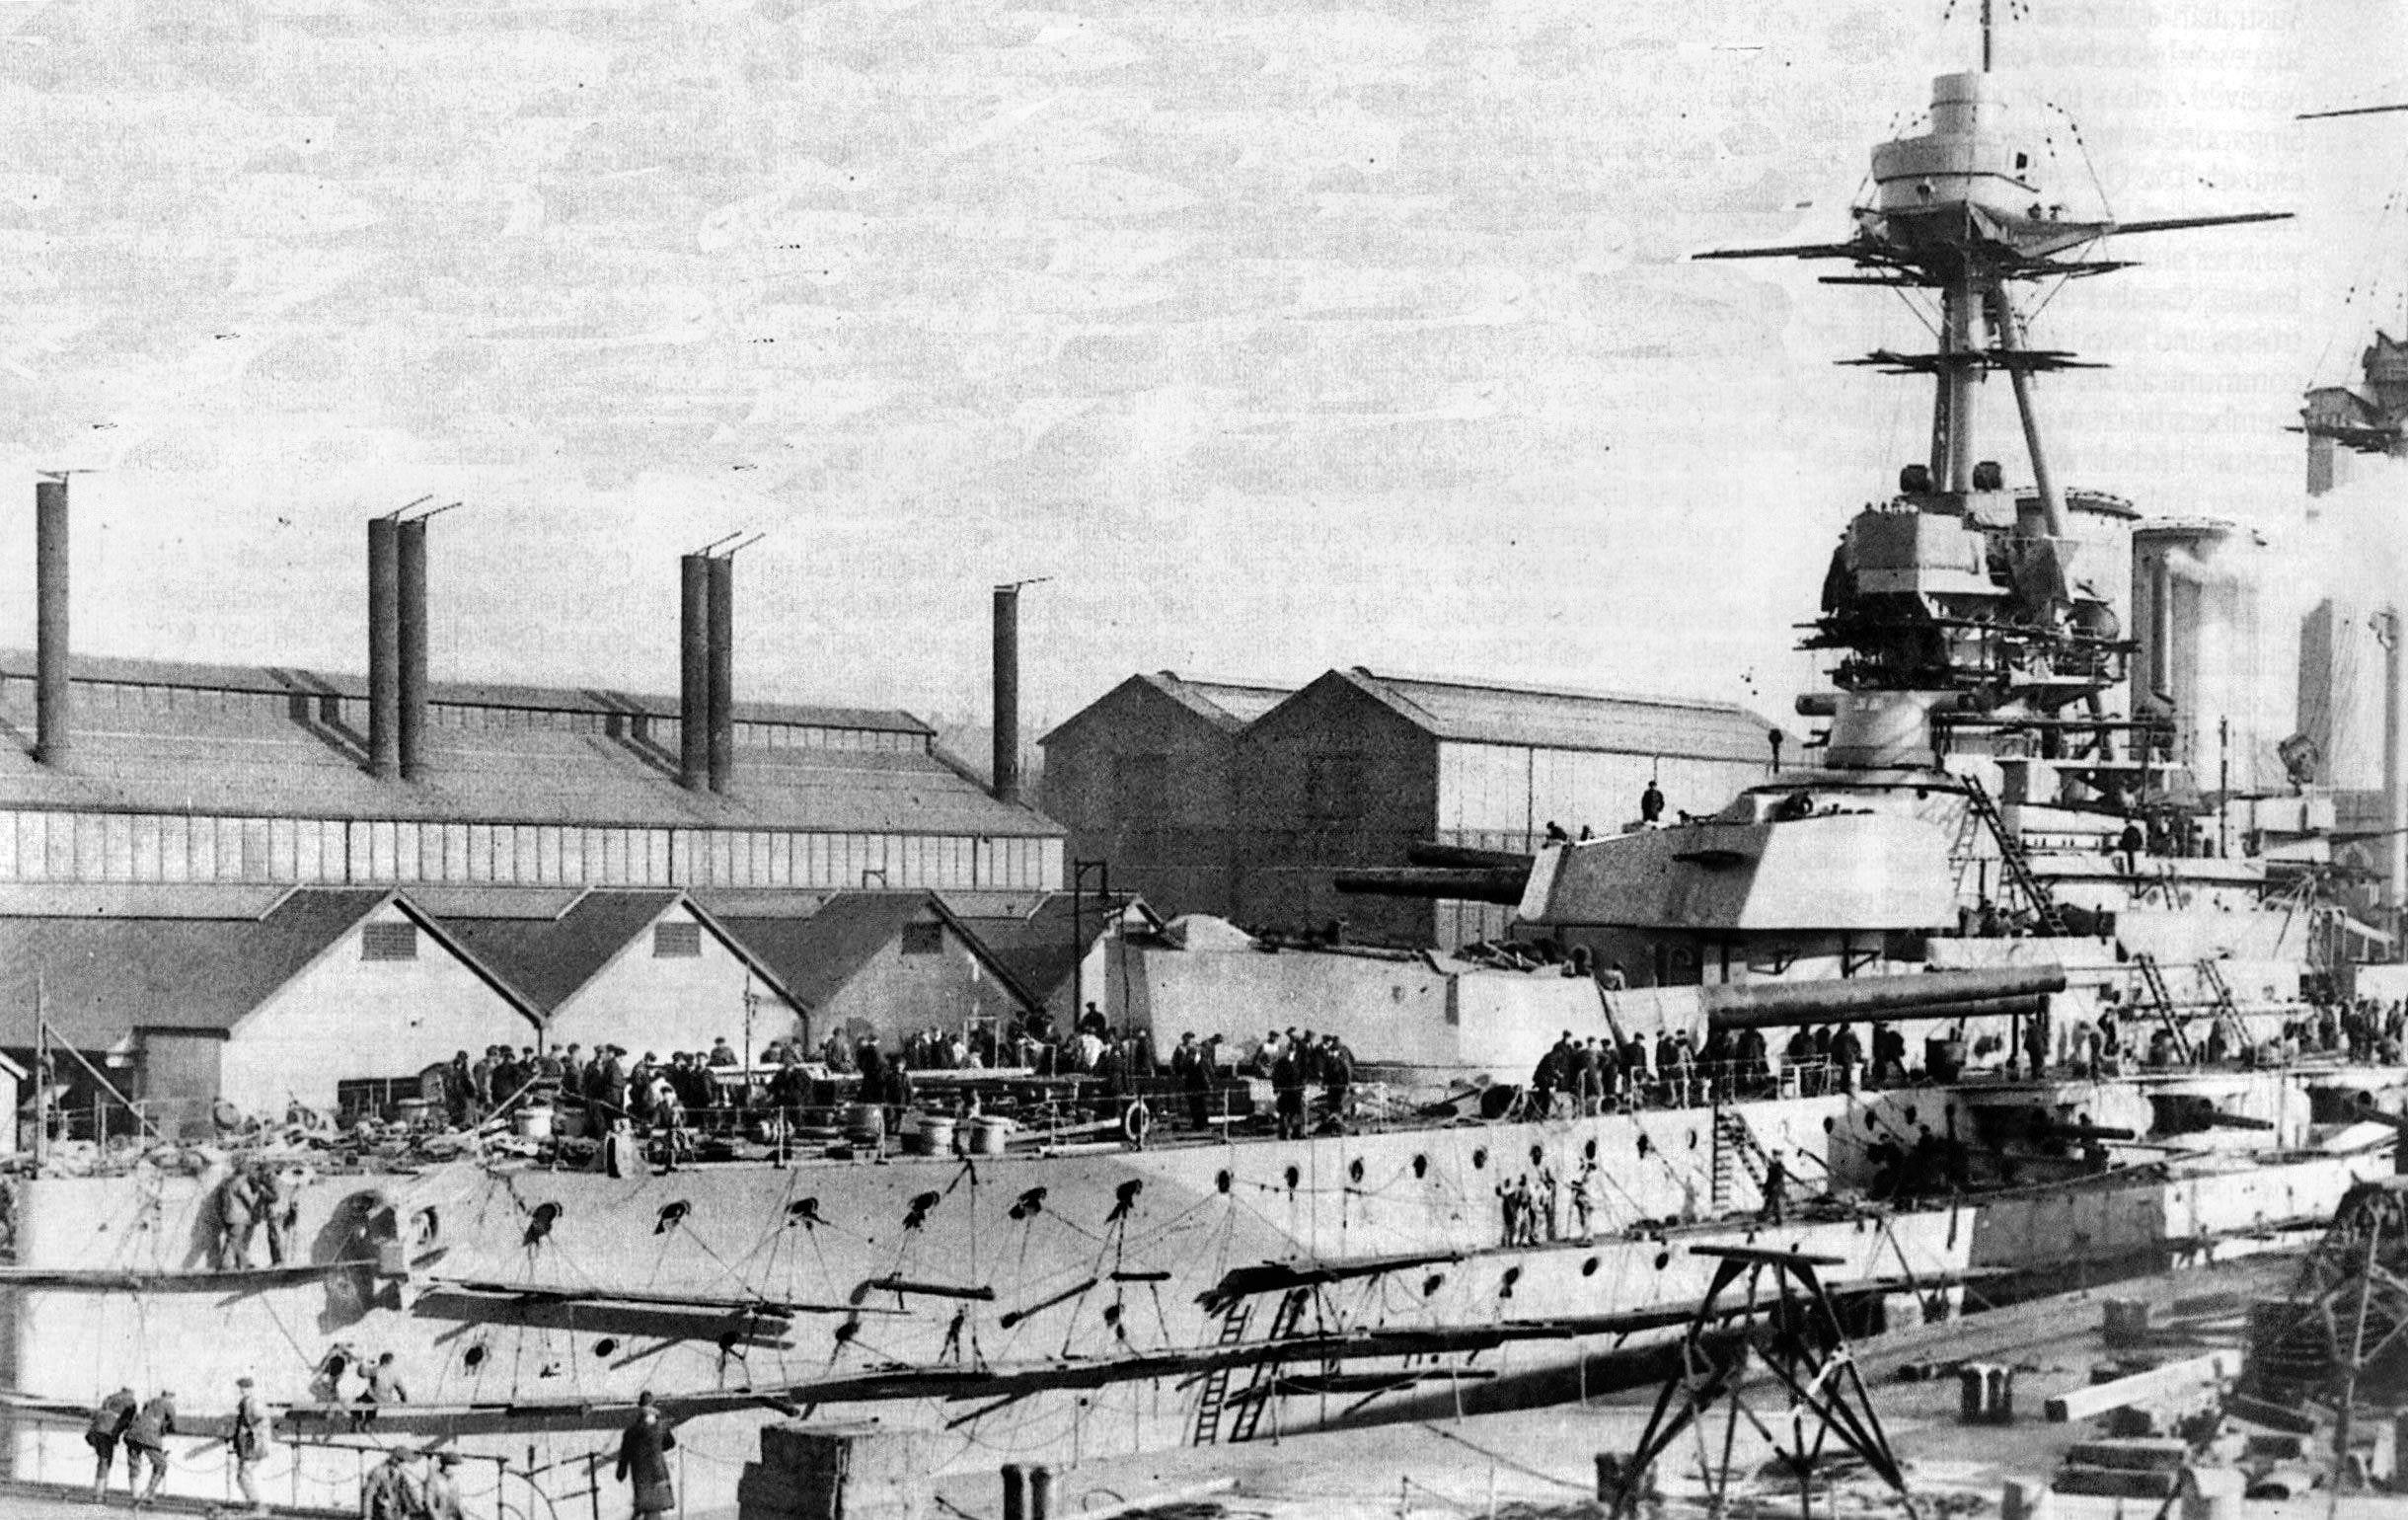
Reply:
x=716, y=971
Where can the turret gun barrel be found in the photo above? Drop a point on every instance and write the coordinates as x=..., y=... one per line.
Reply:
x=1931, y=995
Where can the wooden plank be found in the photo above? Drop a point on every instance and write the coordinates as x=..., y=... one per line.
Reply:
x=2172, y=1378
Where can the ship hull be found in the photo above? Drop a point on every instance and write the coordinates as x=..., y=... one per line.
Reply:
x=1067, y=1307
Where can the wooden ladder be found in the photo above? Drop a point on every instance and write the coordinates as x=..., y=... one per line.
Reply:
x=1216, y=1382
x=1258, y=1392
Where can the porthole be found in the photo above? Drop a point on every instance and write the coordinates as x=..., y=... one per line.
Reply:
x=1421, y=1166
x=1223, y=1180
x=1354, y=1169
x=1538, y=1155
x=1294, y=1177
x=473, y=1358
x=1829, y=1124
x=1513, y=1275
x=1590, y=1150
x=1479, y=1159
x=1588, y=1268
x=605, y=1346
x=1909, y=1113
x=1646, y=1146
x=1432, y=1283
x=1663, y=1260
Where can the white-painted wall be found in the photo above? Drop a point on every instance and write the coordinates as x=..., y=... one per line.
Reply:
x=664, y=1004
x=344, y=1016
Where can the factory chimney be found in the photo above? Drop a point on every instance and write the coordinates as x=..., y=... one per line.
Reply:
x=1007, y=693
x=693, y=672
x=412, y=638
x=2395, y=806
x=722, y=698
x=384, y=649
x=54, y=707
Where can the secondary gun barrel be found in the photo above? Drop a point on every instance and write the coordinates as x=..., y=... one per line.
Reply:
x=1929, y=995
x=1464, y=883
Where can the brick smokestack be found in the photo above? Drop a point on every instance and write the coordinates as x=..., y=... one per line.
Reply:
x=384, y=649
x=722, y=698
x=53, y=706
x=412, y=614
x=1008, y=694
x=693, y=672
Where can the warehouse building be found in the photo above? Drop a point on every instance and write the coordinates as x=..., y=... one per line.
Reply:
x=208, y=774
x=1146, y=778
x=1355, y=768
x=326, y=997
x=643, y=970
x=246, y=810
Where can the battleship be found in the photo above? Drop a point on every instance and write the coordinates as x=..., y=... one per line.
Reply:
x=1998, y=858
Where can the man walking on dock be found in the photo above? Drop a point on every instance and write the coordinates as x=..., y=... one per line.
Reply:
x=644, y=1461
x=250, y=1442
x=108, y=1427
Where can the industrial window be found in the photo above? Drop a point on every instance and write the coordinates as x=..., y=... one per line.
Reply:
x=923, y=939
x=388, y=941
x=674, y=941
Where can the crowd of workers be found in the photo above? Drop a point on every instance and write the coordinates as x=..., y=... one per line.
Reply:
x=409, y=1484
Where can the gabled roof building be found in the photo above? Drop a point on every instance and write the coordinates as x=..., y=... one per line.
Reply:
x=328, y=998
x=1245, y=800
x=644, y=971
x=1145, y=776
x=878, y=964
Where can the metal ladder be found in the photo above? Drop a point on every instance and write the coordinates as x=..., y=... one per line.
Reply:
x=2154, y=980
x=1210, y=1403
x=1959, y=849
x=2018, y=865
x=1258, y=1392
x=2228, y=1008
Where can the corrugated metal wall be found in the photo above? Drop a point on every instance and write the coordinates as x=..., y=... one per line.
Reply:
x=43, y=846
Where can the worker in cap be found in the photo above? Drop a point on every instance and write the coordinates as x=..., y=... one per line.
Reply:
x=146, y=1442
x=251, y=1427
x=107, y=1428
x=389, y=1492
x=439, y=1499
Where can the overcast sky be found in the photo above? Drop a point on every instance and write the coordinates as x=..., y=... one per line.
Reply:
x=1280, y=335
